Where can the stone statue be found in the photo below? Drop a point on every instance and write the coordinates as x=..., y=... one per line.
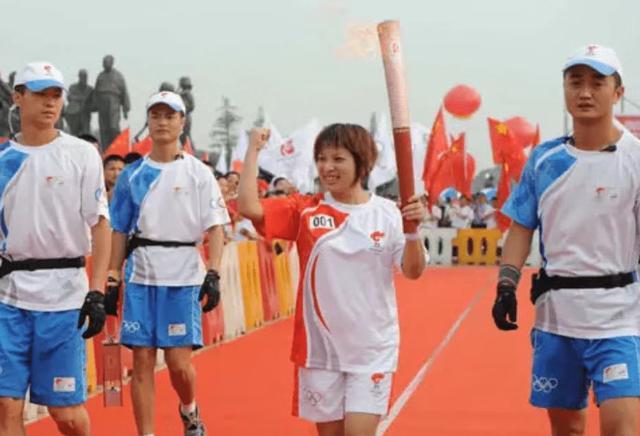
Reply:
x=110, y=94
x=6, y=101
x=12, y=78
x=184, y=89
x=77, y=113
x=167, y=86
x=14, y=115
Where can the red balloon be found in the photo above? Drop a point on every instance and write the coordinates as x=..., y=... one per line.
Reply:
x=522, y=129
x=462, y=101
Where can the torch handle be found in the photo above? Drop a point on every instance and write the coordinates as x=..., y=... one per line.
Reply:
x=404, y=163
x=392, y=59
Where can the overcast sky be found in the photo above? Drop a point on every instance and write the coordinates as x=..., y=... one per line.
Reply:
x=282, y=54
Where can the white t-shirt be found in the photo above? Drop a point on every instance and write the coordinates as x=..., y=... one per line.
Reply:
x=460, y=216
x=50, y=197
x=488, y=216
x=346, y=317
x=433, y=217
x=587, y=206
x=173, y=201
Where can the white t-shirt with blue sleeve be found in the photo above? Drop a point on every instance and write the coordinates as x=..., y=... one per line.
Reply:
x=586, y=205
x=50, y=197
x=174, y=201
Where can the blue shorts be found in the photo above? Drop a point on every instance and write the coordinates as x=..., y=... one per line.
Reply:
x=565, y=368
x=43, y=352
x=161, y=316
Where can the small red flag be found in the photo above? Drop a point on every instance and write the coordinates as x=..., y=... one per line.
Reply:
x=463, y=166
x=120, y=145
x=437, y=145
x=143, y=147
x=506, y=148
x=504, y=189
x=536, y=137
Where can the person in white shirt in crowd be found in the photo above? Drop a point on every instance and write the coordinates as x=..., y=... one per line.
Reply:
x=344, y=364
x=433, y=214
x=53, y=212
x=460, y=213
x=582, y=192
x=162, y=206
x=484, y=214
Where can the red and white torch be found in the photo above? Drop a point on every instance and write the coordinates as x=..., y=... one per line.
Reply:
x=389, y=35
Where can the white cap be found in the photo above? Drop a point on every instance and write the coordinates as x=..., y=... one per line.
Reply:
x=37, y=76
x=602, y=59
x=171, y=99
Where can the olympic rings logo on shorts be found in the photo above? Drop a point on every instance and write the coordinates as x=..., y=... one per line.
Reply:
x=130, y=326
x=544, y=384
x=311, y=397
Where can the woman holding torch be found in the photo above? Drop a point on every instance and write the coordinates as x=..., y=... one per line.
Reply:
x=346, y=335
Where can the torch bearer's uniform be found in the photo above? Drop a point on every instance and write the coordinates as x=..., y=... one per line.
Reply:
x=346, y=335
x=50, y=197
x=175, y=201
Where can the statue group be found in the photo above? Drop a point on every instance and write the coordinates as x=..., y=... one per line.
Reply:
x=109, y=98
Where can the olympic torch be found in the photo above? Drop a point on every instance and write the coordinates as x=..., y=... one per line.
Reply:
x=389, y=35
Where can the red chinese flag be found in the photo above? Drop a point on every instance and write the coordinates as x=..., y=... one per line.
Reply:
x=463, y=166
x=502, y=194
x=120, y=145
x=502, y=141
x=143, y=147
x=443, y=177
x=536, y=137
x=437, y=145
x=505, y=148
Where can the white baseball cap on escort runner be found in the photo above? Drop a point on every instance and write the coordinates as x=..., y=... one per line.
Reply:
x=171, y=99
x=602, y=59
x=38, y=76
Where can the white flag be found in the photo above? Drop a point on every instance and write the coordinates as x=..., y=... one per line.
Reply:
x=267, y=159
x=241, y=146
x=385, y=168
x=419, y=140
x=221, y=165
x=292, y=157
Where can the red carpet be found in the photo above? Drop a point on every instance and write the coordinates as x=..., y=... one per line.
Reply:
x=478, y=385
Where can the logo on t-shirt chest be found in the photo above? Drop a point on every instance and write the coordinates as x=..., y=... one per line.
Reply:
x=377, y=237
x=53, y=181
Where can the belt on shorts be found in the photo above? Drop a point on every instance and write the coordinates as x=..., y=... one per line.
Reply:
x=135, y=242
x=7, y=266
x=542, y=283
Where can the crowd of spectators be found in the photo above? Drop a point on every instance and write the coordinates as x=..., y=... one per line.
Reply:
x=456, y=211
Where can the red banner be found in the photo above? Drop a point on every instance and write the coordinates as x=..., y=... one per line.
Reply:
x=631, y=122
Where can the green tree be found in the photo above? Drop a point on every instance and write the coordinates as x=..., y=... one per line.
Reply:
x=223, y=133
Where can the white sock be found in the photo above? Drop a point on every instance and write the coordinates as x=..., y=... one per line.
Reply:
x=188, y=408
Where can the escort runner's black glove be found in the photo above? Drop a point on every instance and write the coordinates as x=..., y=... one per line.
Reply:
x=111, y=296
x=505, y=308
x=211, y=288
x=93, y=307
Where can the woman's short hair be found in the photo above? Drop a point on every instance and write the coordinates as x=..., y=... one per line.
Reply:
x=356, y=139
